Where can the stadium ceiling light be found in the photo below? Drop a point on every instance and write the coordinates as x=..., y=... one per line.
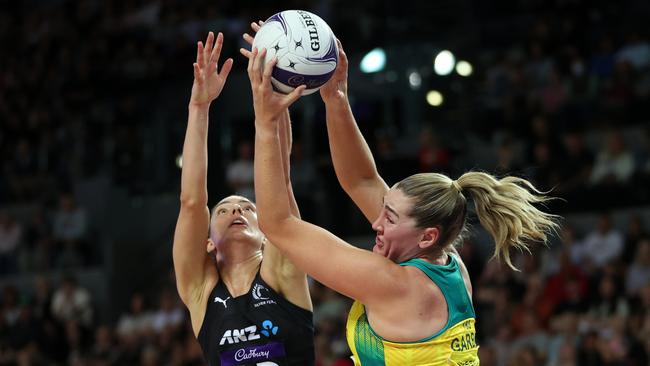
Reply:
x=435, y=98
x=373, y=61
x=444, y=63
x=415, y=80
x=464, y=68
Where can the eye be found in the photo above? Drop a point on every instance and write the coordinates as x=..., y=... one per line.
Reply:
x=249, y=209
x=390, y=219
x=221, y=211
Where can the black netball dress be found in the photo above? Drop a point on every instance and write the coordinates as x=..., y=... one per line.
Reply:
x=259, y=328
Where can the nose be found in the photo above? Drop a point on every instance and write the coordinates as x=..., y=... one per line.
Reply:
x=376, y=225
x=237, y=208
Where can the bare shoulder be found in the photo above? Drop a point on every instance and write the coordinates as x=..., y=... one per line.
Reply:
x=407, y=283
x=415, y=312
x=284, y=278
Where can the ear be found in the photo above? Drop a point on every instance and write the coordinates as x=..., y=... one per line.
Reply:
x=210, y=246
x=429, y=237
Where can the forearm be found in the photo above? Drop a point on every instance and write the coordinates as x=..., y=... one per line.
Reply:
x=195, y=157
x=271, y=191
x=353, y=161
x=285, y=146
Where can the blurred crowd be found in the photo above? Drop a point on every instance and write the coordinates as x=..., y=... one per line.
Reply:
x=559, y=96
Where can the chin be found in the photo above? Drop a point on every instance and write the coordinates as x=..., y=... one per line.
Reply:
x=379, y=250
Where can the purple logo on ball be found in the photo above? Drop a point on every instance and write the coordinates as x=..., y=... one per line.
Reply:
x=296, y=80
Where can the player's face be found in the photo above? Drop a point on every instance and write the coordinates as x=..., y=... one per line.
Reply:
x=397, y=236
x=235, y=218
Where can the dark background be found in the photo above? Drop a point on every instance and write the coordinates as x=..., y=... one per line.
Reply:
x=93, y=107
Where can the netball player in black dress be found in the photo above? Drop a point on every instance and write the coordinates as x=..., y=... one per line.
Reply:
x=248, y=304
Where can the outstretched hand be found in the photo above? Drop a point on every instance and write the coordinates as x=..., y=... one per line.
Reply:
x=337, y=86
x=208, y=83
x=255, y=26
x=268, y=104
x=249, y=39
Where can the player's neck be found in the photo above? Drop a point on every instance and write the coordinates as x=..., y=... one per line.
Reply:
x=439, y=259
x=238, y=272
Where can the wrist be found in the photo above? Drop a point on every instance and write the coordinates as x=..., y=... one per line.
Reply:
x=337, y=97
x=268, y=123
x=199, y=106
x=265, y=134
x=337, y=103
x=270, y=126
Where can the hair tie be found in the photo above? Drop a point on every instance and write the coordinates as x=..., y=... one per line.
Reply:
x=455, y=184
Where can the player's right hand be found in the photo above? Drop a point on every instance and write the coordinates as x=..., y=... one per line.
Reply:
x=208, y=83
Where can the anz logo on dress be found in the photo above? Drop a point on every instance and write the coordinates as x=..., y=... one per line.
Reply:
x=233, y=336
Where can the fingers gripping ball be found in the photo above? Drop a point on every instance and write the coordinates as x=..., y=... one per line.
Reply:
x=305, y=47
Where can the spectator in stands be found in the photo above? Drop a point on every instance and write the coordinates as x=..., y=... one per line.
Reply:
x=69, y=231
x=614, y=163
x=588, y=349
x=72, y=302
x=563, y=342
x=70, y=222
x=138, y=321
x=576, y=162
x=104, y=350
x=559, y=286
x=554, y=95
x=527, y=355
x=604, y=244
x=544, y=171
x=638, y=274
x=432, y=155
x=169, y=314
x=602, y=59
x=635, y=232
x=11, y=233
x=40, y=250
x=610, y=301
x=508, y=158
x=42, y=299
x=636, y=51
x=10, y=307
x=22, y=171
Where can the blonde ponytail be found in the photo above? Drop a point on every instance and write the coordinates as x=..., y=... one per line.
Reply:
x=506, y=209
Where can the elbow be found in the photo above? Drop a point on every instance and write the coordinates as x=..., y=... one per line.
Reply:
x=273, y=228
x=267, y=226
x=354, y=184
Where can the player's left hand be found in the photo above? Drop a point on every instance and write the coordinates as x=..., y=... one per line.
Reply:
x=336, y=89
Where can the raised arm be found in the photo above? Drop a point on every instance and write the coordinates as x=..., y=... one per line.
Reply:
x=192, y=265
x=353, y=162
x=354, y=272
x=289, y=280
x=276, y=269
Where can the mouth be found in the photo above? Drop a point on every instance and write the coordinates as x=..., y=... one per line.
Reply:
x=378, y=243
x=238, y=222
